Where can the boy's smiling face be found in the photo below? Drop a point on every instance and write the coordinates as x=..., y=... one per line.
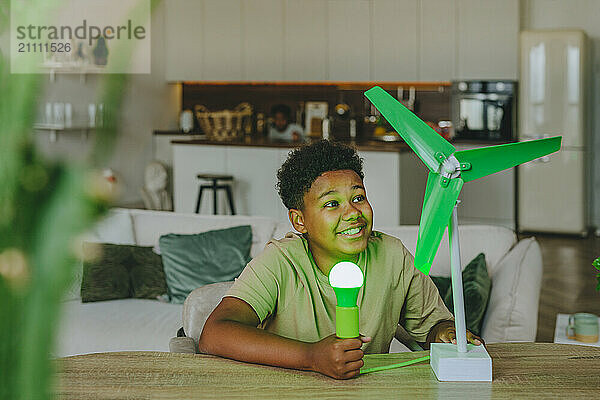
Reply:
x=336, y=218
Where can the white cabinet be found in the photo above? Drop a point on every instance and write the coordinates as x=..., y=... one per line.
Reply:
x=394, y=50
x=222, y=38
x=488, y=39
x=348, y=39
x=437, y=32
x=183, y=40
x=255, y=173
x=413, y=179
x=305, y=48
x=263, y=40
x=382, y=183
x=488, y=200
x=341, y=40
x=203, y=40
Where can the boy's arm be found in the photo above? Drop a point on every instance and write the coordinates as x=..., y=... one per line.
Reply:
x=231, y=331
x=445, y=332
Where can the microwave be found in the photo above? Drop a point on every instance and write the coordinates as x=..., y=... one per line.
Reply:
x=484, y=110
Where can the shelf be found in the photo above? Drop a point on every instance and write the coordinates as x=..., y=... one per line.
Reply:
x=54, y=129
x=81, y=69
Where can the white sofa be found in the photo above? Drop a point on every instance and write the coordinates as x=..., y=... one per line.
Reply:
x=135, y=324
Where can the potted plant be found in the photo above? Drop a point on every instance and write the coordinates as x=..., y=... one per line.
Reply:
x=44, y=206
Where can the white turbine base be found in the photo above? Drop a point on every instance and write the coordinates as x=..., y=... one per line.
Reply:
x=450, y=365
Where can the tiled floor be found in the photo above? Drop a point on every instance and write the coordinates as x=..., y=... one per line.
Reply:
x=568, y=281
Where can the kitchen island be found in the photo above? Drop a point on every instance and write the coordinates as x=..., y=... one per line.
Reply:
x=394, y=177
x=254, y=164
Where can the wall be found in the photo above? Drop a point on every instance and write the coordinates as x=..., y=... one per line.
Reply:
x=582, y=14
x=148, y=103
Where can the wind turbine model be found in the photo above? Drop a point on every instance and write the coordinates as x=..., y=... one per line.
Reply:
x=448, y=170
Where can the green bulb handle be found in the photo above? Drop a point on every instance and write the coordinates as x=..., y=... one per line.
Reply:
x=346, y=322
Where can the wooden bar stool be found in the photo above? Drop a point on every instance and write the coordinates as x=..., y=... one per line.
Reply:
x=214, y=186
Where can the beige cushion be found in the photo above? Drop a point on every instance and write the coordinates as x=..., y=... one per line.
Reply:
x=198, y=306
x=149, y=226
x=512, y=310
x=116, y=228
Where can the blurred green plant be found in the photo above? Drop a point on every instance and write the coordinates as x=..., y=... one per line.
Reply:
x=44, y=207
x=596, y=264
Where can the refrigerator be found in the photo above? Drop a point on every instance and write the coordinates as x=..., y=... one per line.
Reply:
x=552, y=193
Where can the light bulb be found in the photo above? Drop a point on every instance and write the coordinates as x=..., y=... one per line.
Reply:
x=346, y=274
x=346, y=278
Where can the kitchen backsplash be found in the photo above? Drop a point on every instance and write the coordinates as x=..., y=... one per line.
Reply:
x=432, y=102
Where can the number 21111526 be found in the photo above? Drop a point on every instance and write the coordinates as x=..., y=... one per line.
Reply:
x=44, y=47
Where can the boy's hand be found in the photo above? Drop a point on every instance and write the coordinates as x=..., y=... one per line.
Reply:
x=445, y=332
x=338, y=358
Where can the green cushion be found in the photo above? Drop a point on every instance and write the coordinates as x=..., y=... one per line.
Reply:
x=191, y=261
x=121, y=271
x=146, y=273
x=477, y=286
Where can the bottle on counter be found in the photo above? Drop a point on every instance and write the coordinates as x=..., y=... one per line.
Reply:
x=260, y=124
x=353, y=129
x=326, y=128
x=186, y=121
x=300, y=113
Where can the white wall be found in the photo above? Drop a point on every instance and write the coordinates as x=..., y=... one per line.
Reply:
x=149, y=103
x=582, y=14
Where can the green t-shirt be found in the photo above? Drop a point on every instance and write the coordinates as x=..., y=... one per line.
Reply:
x=293, y=298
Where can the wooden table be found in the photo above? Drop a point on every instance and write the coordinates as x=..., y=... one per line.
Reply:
x=540, y=370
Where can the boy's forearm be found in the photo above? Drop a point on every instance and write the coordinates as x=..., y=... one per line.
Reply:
x=433, y=332
x=241, y=342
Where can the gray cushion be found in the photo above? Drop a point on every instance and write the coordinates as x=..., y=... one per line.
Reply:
x=200, y=304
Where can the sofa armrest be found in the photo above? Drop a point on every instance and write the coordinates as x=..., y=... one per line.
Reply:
x=512, y=311
x=182, y=345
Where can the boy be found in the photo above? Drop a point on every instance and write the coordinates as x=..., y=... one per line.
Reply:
x=281, y=310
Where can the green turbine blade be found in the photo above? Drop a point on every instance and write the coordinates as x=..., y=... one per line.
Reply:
x=488, y=160
x=431, y=148
x=437, y=208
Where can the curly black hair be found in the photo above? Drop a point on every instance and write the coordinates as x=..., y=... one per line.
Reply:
x=282, y=108
x=307, y=163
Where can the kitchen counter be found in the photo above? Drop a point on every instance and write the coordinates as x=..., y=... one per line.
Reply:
x=361, y=145
x=369, y=145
